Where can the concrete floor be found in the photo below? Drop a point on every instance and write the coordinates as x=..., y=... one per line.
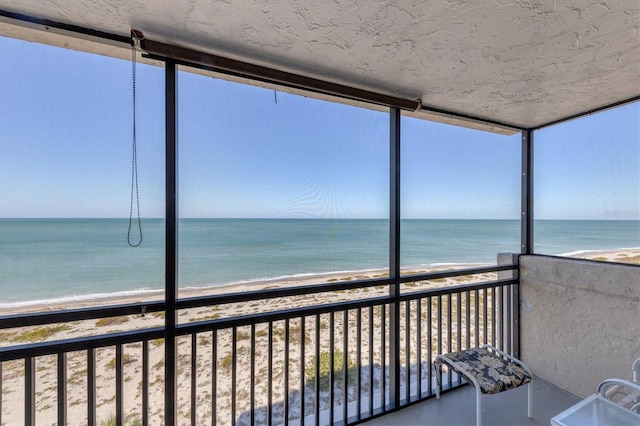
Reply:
x=507, y=408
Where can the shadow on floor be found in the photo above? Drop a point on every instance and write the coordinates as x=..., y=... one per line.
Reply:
x=509, y=408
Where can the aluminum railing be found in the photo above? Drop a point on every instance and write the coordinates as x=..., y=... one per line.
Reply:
x=318, y=363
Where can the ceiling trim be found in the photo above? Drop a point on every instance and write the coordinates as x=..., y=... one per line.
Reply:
x=589, y=112
x=64, y=29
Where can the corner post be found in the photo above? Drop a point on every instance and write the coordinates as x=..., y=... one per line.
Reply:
x=171, y=243
x=526, y=223
x=394, y=259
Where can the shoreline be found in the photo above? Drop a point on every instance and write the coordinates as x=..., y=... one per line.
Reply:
x=136, y=296
x=150, y=295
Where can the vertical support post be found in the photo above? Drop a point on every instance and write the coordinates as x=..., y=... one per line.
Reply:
x=394, y=258
x=526, y=223
x=62, y=388
x=145, y=383
x=171, y=243
x=119, y=385
x=1, y=392
x=91, y=387
x=29, y=391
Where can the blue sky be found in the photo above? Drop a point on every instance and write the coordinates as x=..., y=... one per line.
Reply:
x=65, y=151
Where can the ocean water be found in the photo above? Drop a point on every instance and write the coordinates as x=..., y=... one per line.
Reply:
x=66, y=259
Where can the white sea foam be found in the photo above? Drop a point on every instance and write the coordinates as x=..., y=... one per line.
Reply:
x=285, y=278
x=583, y=252
x=439, y=265
x=79, y=298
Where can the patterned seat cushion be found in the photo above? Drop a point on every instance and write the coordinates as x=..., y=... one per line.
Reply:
x=493, y=373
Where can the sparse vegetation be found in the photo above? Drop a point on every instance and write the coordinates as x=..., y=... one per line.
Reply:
x=206, y=318
x=39, y=334
x=158, y=342
x=111, y=421
x=324, y=368
x=126, y=359
x=226, y=361
x=104, y=322
x=242, y=335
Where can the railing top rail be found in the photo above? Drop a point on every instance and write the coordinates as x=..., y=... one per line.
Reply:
x=10, y=353
x=264, y=317
x=457, y=272
x=79, y=314
x=419, y=294
x=274, y=293
x=249, y=296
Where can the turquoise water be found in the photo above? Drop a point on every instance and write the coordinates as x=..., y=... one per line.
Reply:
x=64, y=259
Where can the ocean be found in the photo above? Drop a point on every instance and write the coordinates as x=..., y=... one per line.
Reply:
x=72, y=259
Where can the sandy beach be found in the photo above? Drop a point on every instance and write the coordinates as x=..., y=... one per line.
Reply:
x=46, y=386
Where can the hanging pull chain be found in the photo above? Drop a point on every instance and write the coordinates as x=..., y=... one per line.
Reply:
x=134, y=158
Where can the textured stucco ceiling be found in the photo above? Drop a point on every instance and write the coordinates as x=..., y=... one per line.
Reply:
x=523, y=63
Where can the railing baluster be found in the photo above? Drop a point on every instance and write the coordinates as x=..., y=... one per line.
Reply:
x=345, y=377
x=270, y=376
x=286, y=372
x=29, y=391
x=383, y=332
x=430, y=344
x=407, y=351
x=477, y=317
x=119, y=375
x=439, y=303
x=359, y=363
x=317, y=373
x=485, y=315
x=303, y=334
x=62, y=388
x=91, y=387
x=468, y=318
x=507, y=291
x=449, y=333
x=194, y=367
x=418, y=348
x=1, y=393
x=214, y=377
x=497, y=320
x=145, y=382
x=371, y=381
x=494, y=300
x=332, y=367
x=252, y=375
x=234, y=362
x=459, y=320
x=516, y=320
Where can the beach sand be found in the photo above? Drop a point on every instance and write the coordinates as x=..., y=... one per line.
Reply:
x=46, y=372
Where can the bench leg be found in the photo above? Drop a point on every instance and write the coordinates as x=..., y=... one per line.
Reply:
x=529, y=401
x=478, y=408
x=438, y=378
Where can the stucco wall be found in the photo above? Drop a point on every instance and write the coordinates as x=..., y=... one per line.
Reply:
x=580, y=320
